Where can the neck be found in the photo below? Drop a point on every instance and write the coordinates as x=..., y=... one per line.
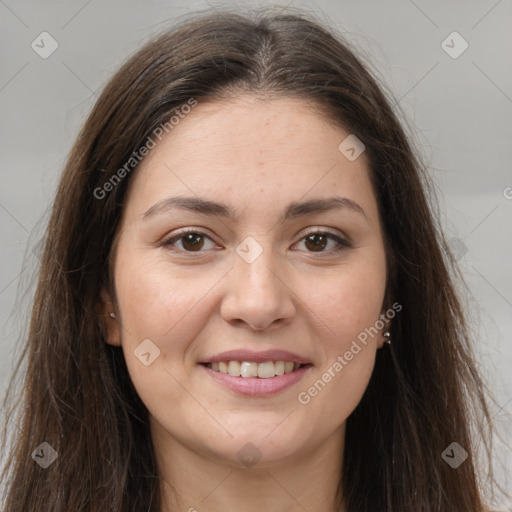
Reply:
x=194, y=482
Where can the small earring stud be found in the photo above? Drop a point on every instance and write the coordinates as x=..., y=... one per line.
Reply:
x=387, y=337
x=112, y=315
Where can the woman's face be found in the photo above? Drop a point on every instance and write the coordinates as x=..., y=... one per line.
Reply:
x=268, y=274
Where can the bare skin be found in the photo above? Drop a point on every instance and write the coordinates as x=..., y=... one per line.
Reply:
x=197, y=297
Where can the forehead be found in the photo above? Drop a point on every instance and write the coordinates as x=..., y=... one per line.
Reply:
x=248, y=149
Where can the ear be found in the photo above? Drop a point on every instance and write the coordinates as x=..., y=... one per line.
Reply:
x=110, y=320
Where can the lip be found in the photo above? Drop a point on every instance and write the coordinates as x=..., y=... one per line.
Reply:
x=255, y=386
x=257, y=357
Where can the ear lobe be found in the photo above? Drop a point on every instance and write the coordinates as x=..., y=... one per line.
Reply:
x=110, y=322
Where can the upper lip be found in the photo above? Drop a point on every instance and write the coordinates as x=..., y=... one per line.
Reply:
x=257, y=357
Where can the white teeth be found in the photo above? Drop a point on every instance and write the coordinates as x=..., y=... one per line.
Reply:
x=234, y=368
x=246, y=369
x=288, y=367
x=266, y=370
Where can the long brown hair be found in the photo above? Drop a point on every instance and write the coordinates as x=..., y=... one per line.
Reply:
x=77, y=395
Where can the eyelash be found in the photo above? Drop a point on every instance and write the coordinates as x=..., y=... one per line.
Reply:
x=342, y=244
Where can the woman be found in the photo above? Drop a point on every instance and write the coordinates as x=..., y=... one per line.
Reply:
x=244, y=301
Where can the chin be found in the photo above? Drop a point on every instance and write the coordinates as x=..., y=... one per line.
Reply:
x=259, y=449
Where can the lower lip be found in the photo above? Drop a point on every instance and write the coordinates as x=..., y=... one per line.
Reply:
x=256, y=386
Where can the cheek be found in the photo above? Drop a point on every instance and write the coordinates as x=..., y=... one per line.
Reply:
x=348, y=305
x=349, y=301
x=161, y=314
x=168, y=308
x=160, y=304
x=348, y=313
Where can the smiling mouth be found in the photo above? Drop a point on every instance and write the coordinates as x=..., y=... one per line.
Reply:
x=248, y=369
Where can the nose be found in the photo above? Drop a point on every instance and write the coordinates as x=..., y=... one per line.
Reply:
x=258, y=295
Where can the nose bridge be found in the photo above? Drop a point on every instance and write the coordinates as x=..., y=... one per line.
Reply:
x=255, y=266
x=257, y=294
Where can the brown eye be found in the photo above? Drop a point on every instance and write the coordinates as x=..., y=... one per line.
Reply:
x=316, y=242
x=319, y=240
x=191, y=241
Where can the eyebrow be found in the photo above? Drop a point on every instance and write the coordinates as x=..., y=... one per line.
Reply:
x=293, y=210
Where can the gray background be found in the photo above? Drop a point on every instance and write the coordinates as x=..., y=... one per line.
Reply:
x=459, y=108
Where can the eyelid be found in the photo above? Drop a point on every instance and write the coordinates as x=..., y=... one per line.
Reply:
x=342, y=240
x=182, y=232
x=328, y=231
